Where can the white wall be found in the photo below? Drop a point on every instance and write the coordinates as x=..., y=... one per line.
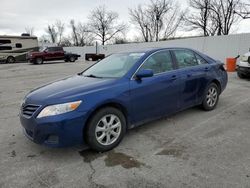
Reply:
x=218, y=47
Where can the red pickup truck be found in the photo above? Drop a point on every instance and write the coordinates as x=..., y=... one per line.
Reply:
x=51, y=54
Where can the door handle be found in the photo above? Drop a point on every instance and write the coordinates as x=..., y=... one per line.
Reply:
x=174, y=77
x=206, y=69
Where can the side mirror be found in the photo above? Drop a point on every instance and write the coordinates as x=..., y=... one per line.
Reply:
x=144, y=73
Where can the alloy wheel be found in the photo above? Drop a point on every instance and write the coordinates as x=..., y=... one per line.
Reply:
x=212, y=96
x=108, y=129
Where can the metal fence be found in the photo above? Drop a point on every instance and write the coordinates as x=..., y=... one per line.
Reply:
x=218, y=47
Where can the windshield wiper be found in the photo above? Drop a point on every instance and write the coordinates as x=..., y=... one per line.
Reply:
x=92, y=76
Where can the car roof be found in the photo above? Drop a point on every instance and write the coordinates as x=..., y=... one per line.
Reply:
x=151, y=50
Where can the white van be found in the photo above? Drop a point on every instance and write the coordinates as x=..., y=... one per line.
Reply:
x=15, y=48
x=243, y=66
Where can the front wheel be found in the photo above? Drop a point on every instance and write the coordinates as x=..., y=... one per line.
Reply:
x=105, y=129
x=211, y=97
x=39, y=61
x=11, y=59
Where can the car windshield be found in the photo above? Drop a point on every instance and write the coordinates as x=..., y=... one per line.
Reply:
x=113, y=66
x=41, y=49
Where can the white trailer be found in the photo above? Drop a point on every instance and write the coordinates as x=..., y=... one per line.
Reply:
x=15, y=48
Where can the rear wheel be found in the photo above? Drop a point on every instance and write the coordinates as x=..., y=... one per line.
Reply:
x=39, y=61
x=211, y=97
x=105, y=129
x=72, y=59
x=11, y=59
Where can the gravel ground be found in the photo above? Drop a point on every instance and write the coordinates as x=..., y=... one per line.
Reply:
x=190, y=149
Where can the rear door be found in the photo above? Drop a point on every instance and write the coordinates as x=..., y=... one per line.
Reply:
x=155, y=96
x=194, y=75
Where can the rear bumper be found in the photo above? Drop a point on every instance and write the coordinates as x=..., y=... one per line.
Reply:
x=61, y=131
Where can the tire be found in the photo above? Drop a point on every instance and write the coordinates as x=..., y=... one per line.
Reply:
x=39, y=61
x=72, y=59
x=211, y=97
x=240, y=75
x=98, y=132
x=10, y=59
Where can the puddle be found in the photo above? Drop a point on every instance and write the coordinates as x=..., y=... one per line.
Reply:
x=31, y=156
x=112, y=158
x=174, y=151
x=126, y=161
x=12, y=143
x=13, y=153
x=89, y=156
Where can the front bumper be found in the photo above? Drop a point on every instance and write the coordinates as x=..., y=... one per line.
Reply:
x=55, y=131
x=31, y=60
x=244, y=70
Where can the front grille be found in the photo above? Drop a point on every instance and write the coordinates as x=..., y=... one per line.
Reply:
x=29, y=110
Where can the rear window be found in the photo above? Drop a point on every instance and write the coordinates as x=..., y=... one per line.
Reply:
x=5, y=48
x=185, y=58
x=4, y=41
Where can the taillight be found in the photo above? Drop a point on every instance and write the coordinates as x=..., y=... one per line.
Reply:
x=222, y=67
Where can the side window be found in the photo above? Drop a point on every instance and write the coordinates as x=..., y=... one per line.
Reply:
x=5, y=48
x=50, y=49
x=200, y=60
x=19, y=45
x=185, y=58
x=159, y=62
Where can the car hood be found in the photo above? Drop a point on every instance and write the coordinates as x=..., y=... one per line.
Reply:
x=36, y=53
x=68, y=89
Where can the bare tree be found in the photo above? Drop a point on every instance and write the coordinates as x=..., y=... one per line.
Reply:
x=85, y=36
x=66, y=41
x=157, y=10
x=159, y=19
x=81, y=34
x=59, y=27
x=217, y=16
x=104, y=24
x=51, y=31
x=224, y=14
x=142, y=22
x=204, y=19
x=30, y=30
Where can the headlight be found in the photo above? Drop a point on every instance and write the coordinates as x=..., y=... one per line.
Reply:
x=59, y=109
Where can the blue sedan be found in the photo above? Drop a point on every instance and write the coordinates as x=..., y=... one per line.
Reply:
x=122, y=91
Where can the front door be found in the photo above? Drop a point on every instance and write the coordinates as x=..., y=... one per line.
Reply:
x=155, y=96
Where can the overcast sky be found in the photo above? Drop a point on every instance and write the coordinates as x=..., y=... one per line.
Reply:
x=15, y=15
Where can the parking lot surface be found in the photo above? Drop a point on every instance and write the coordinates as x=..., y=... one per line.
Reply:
x=190, y=149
